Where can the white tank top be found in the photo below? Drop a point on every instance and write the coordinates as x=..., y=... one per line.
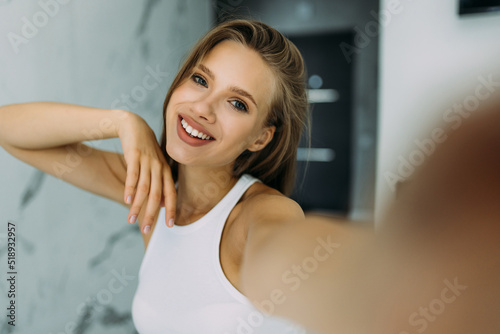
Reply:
x=182, y=288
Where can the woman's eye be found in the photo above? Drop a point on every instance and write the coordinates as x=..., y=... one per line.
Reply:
x=239, y=105
x=199, y=80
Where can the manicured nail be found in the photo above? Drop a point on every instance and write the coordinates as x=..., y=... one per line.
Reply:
x=132, y=219
x=146, y=229
x=171, y=222
x=129, y=199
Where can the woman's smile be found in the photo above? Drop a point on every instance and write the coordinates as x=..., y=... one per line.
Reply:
x=192, y=133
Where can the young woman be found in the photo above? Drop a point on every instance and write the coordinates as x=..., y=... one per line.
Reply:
x=233, y=117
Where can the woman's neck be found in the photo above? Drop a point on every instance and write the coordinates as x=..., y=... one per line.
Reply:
x=199, y=189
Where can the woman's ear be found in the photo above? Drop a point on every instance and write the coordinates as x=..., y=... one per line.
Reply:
x=263, y=139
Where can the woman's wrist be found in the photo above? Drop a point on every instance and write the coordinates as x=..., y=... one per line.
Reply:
x=130, y=126
x=123, y=120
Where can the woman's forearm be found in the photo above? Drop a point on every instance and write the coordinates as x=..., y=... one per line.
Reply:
x=39, y=125
x=305, y=270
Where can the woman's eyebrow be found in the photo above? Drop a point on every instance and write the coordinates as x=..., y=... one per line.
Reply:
x=207, y=71
x=235, y=89
x=243, y=92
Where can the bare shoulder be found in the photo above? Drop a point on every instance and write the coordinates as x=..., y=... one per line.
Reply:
x=263, y=211
x=262, y=202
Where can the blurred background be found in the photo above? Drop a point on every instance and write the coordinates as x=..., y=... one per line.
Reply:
x=381, y=78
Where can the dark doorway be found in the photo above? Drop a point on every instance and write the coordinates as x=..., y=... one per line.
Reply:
x=325, y=183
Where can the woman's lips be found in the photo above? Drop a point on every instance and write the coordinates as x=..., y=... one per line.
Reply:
x=185, y=137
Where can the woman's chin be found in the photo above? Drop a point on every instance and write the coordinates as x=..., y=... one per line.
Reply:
x=179, y=155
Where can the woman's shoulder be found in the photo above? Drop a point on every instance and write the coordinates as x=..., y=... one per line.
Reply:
x=259, y=190
x=263, y=198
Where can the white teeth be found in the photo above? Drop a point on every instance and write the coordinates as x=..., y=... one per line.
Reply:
x=193, y=132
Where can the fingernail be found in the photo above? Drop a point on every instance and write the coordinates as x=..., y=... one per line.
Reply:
x=146, y=229
x=132, y=219
x=129, y=199
x=171, y=222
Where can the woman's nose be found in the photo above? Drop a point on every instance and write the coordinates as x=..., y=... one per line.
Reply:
x=204, y=108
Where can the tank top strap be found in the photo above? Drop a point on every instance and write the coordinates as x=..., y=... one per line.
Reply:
x=233, y=196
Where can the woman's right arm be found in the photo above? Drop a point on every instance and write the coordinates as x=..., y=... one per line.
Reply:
x=49, y=136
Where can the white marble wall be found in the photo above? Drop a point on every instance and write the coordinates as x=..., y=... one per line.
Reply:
x=71, y=245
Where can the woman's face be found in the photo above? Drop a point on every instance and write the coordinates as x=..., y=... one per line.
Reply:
x=227, y=98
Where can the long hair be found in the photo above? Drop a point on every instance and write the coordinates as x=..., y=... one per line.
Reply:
x=275, y=164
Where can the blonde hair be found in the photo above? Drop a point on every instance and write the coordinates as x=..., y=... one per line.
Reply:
x=275, y=164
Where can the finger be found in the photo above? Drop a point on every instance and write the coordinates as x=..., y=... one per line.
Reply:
x=132, y=177
x=141, y=193
x=154, y=200
x=170, y=196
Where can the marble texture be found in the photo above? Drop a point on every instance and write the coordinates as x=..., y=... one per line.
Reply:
x=77, y=256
